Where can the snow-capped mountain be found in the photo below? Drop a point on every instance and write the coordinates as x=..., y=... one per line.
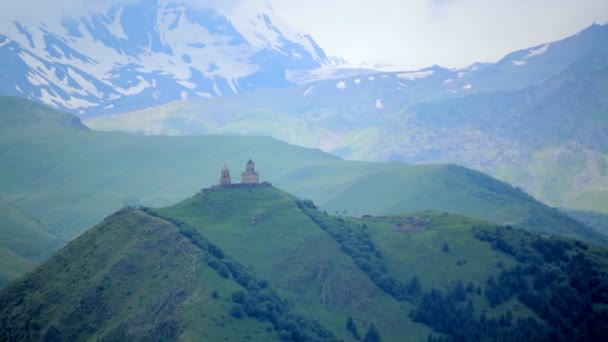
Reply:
x=148, y=52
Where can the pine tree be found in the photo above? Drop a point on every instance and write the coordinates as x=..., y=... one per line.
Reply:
x=352, y=327
x=372, y=334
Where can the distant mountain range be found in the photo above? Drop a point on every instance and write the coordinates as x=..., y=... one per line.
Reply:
x=537, y=118
x=59, y=178
x=119, y=57
x=114, y=58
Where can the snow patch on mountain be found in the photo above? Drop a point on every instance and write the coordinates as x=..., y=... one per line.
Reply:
x=415, y=75
x=307, y=91
x=6, y=41
x=155, y=51
x=379, y=104
x=537, y=51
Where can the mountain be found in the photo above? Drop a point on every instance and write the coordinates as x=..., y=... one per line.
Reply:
x=48, y=157
x=256, y=263
x=69, y=177
x=23, y=242
x=550, y=139
x=112, y=56
x=535, y=119
x=592, y=219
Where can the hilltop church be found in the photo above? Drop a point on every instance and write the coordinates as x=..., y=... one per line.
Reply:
x=250, y=176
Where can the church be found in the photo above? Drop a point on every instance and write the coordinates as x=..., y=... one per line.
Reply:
x=250, y=176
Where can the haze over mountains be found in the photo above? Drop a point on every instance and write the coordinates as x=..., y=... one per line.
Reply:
x=69, y=178
x=384, y=230
x=535, y=119
x=121, y=56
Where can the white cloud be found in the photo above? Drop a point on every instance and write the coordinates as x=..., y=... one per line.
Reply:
x=341, y=85
x=418, y=33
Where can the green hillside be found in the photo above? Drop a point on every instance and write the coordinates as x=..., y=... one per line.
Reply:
x=256, y=263
x=595, y=220
x=69, y=177
x=548, y=139
x=23, y=242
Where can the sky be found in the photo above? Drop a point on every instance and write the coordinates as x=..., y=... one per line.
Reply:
x=401, y=34
x=412, y=34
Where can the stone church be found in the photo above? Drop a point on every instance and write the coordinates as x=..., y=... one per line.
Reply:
x=250, y=176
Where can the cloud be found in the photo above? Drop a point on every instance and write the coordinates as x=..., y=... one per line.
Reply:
x=418, y=33
x=406, y=34
x=22, y=9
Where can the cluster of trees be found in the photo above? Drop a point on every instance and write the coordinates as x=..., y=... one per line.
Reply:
x=257, y=299
x=372, y=334
x=355, y=241
x=562, y=281
x=453, y=315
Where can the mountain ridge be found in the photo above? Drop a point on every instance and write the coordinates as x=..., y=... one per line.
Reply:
x=195, y=270
x=58, y=173
x=552, y=123
x=153, y=52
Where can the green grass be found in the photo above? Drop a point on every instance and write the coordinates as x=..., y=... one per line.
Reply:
x=137, y=274
x=23, y=242
x=69, y=178
x=420, y=253
x=263, y=228
x=12, y=266
x=547, y=139
x=132, y=276
x=595, y=220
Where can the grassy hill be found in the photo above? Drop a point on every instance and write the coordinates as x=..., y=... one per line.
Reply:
x=23, y=242
x=548, y=139
x=595, y=220
x=69, y=177
x=256, y=263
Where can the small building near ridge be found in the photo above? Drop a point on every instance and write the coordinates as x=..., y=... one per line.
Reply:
x=250, y=176
x=225, y=177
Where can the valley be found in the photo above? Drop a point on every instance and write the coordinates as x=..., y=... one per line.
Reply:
x=540, y=126
x=69, y=177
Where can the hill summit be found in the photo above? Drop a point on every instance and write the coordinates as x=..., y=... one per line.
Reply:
x=256, y=263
